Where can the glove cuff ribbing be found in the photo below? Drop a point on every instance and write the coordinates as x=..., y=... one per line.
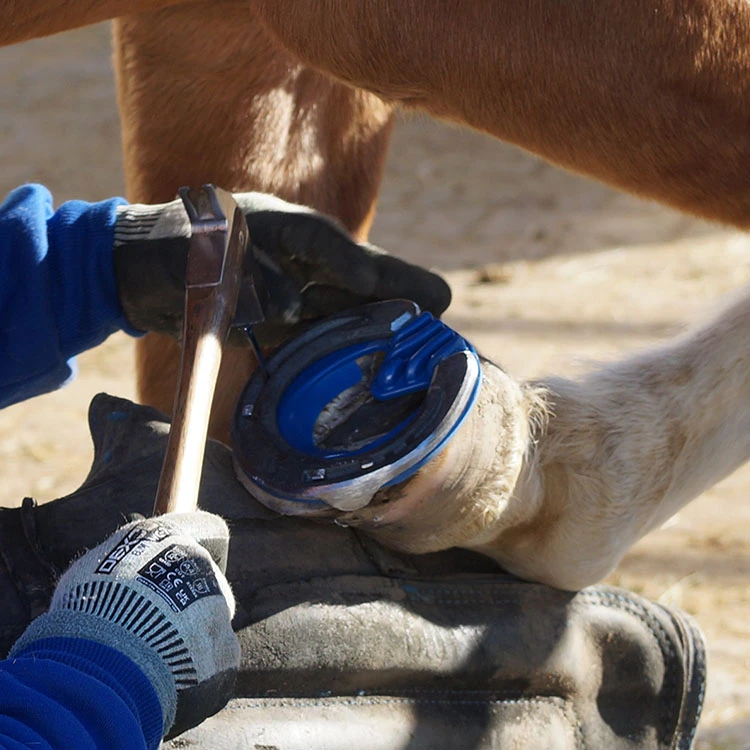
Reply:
x=138, y=222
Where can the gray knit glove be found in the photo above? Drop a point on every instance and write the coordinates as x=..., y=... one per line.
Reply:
x=154, y=592
x=309, y=264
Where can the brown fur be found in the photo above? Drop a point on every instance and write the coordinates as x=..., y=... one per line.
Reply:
x=650, y=95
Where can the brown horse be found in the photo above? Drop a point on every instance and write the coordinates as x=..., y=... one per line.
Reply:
x=296, y=97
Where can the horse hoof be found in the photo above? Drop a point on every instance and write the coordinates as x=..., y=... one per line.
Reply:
x=356, y=404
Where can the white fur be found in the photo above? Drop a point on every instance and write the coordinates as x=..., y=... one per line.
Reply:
x=609, y=457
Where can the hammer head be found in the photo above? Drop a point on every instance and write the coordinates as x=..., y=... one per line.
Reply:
x=220, y=254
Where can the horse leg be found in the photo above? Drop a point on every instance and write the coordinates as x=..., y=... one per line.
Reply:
x=206, y=96
x=557, y=479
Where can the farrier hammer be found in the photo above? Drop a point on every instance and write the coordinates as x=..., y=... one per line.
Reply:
x=217, y=267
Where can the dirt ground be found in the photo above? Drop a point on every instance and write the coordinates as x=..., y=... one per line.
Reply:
x=549, y=271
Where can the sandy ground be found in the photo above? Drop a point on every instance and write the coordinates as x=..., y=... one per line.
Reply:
x=549, y=271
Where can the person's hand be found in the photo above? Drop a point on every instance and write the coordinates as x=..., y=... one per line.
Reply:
x=310, y=266
x=155, y=591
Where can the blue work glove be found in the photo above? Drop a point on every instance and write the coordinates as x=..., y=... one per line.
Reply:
x=155, y=591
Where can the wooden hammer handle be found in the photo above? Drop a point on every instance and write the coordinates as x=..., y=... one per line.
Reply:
x=199, y=368
x=209, y=309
